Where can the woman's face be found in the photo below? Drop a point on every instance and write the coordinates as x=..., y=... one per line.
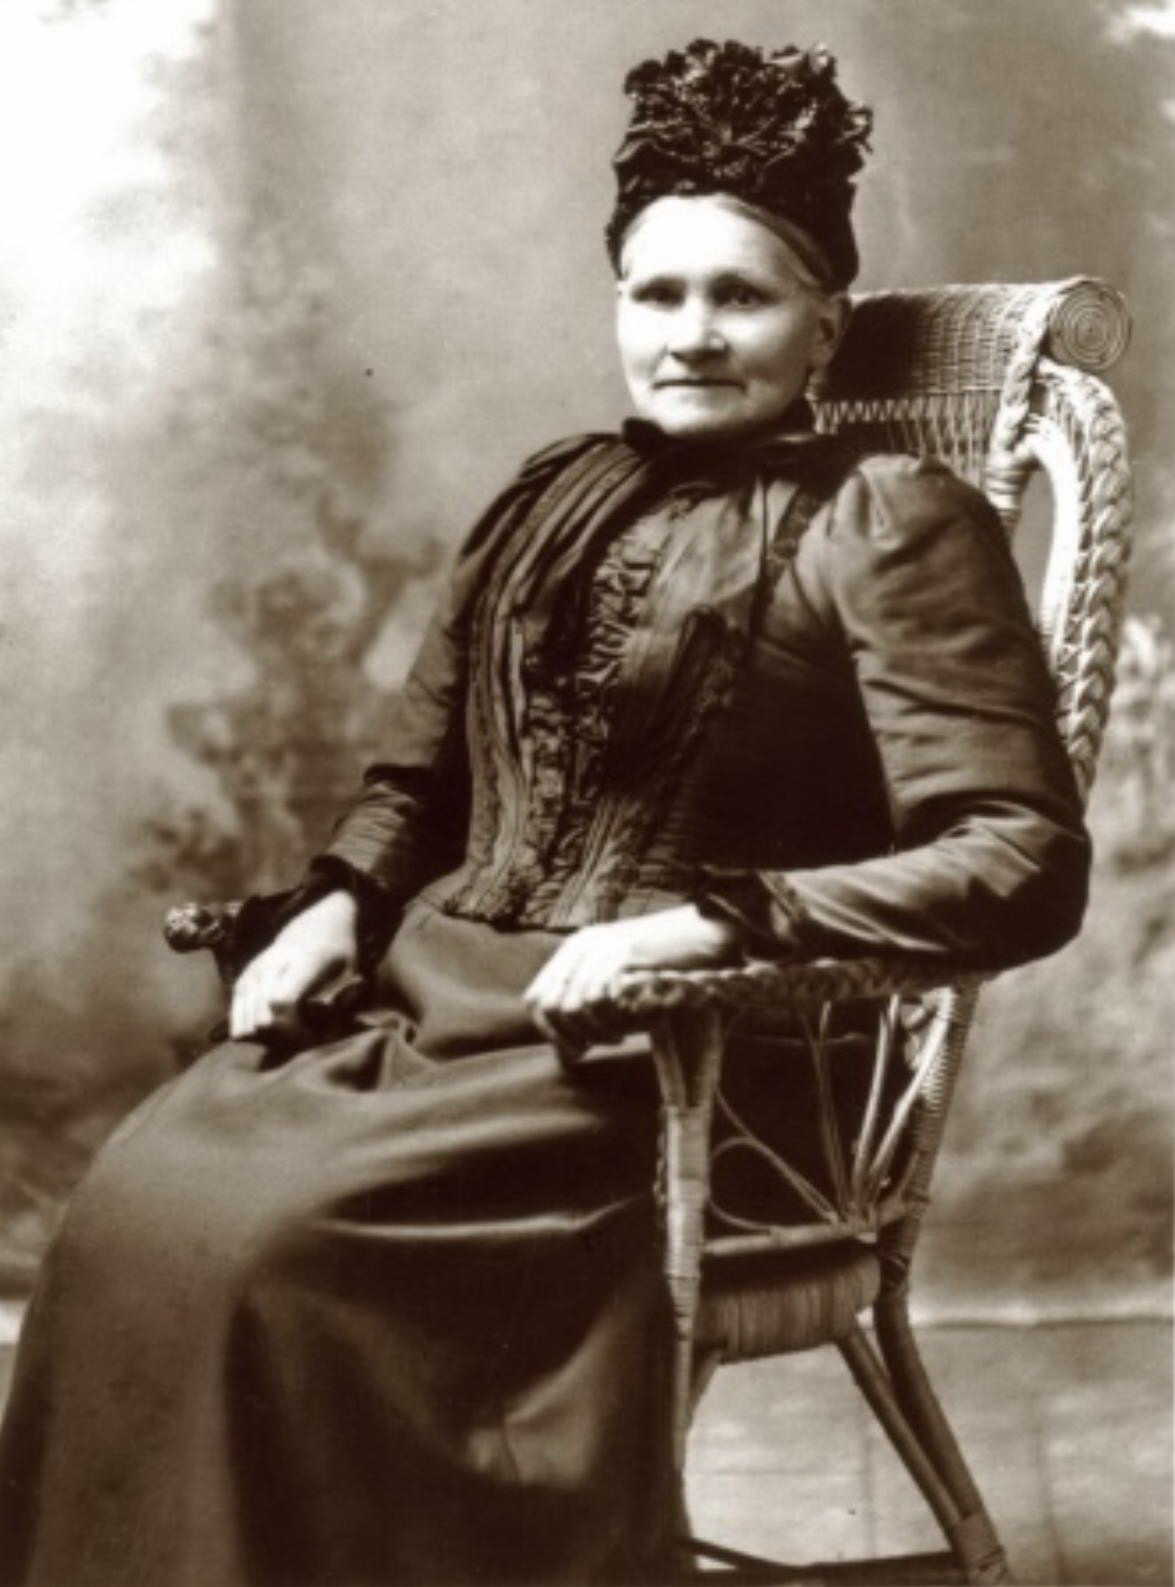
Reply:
x=718, y=333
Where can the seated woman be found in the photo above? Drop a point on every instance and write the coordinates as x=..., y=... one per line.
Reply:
x=388, y=1307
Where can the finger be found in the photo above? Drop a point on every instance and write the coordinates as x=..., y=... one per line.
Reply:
x=242, y=1023
x=546, y=990
x=580, y=1027
x=607, y=1022
x=276, y=1008
x=548, y=1026
x=593, y=1024
x=582, y=985
x=249, y=989
x=568, y=1043
x=301, y=978
x=252, y=1006
x=240, y=1009
x=588, y=987
x=555, y=970
x=590, y=998
x=255, y=996
x=236, y=1019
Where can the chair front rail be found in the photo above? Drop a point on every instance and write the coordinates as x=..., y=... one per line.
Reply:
x=867, y=1226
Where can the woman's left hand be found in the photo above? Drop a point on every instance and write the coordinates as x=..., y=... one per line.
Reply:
x=570, y=996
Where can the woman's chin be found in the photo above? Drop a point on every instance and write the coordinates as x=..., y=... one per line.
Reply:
x=698, y=426
x=710, y=430
x=702, y=419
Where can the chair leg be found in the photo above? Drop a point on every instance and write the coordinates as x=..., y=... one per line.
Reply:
x=974, y=1537
x=748, y=1570
x=873, y=1381
x=687, y=1055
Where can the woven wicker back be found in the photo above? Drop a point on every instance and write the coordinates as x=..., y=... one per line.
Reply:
x=1001, y=381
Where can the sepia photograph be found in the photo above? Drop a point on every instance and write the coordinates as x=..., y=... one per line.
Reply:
x=587, y=801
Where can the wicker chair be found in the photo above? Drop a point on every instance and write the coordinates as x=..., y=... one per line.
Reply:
x=1001, y=382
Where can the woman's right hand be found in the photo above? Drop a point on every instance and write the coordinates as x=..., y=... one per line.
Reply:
x=316, y=945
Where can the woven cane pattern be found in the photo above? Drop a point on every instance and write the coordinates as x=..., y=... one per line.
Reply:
x=950, y=372
x=763, y=986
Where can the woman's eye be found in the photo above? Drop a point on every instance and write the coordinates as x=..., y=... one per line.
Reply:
x=657, y=294
x=741, y=296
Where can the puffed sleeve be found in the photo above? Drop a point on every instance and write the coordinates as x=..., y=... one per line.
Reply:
x=909, y=573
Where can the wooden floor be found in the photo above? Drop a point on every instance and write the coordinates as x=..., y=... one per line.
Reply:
x=1067, y=1426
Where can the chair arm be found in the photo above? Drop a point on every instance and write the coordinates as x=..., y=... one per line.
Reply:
x=762, y=985
x=646, y=995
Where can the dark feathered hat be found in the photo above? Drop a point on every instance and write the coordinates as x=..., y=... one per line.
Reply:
x=772, y=130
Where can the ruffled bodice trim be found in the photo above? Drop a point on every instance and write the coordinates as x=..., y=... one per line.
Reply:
x=586, y=754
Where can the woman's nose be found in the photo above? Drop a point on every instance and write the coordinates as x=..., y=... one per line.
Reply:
x=694, y=335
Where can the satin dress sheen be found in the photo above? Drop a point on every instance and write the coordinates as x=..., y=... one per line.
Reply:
x=384, y=1311
x=389, y=1309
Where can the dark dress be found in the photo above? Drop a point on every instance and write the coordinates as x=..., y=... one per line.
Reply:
x=389, y=1309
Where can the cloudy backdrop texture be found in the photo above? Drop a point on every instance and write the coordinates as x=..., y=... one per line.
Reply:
x=286, y=290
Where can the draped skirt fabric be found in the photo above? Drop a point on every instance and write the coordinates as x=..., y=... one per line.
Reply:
x=386, y=1310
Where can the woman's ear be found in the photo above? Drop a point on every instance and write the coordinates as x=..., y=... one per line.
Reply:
x=832, y=319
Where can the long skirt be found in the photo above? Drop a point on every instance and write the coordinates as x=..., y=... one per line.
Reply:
x=387, y=1310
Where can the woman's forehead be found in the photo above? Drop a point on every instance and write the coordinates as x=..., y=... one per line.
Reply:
x=701, y=237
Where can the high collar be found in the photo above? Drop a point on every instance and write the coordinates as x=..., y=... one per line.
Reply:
x=793, y=437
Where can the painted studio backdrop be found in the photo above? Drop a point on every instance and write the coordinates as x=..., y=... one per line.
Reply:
x=286, y=291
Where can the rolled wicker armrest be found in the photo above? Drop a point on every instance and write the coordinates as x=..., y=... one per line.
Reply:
x=763, y=985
